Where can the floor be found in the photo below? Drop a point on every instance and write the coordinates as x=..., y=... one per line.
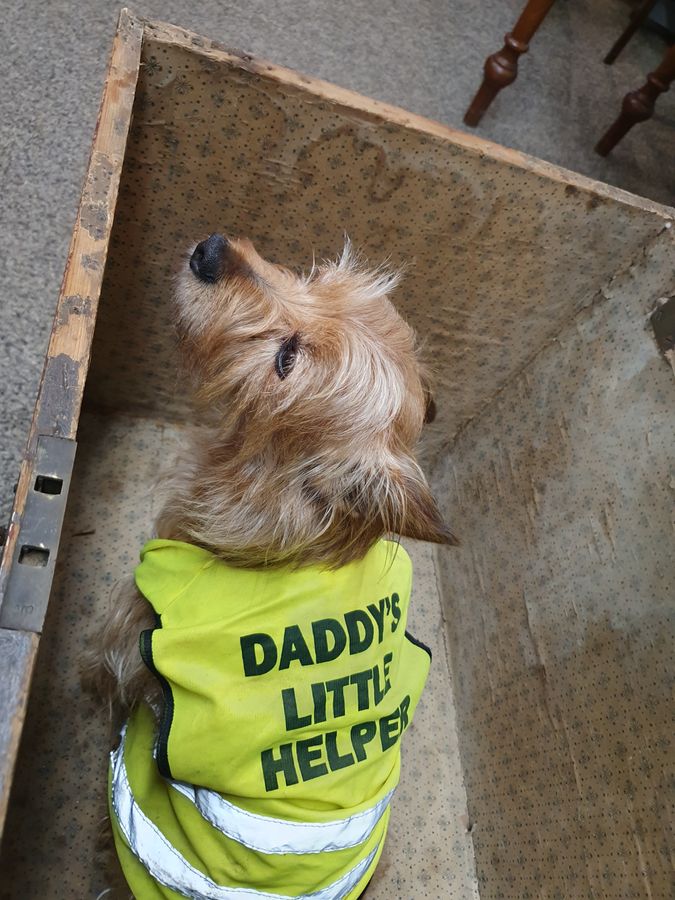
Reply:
x=428, y=854
x=424, y=56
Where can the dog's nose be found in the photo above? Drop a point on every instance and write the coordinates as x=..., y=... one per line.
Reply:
x=207, y=260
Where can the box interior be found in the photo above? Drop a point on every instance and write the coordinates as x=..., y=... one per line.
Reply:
x=540, y=759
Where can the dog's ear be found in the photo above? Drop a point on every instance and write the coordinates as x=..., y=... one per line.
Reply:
x=430, y=413
x=419, y=517
x=392, y=498
x=429, y=402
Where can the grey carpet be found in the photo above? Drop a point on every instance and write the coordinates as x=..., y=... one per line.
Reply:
x=425, y=56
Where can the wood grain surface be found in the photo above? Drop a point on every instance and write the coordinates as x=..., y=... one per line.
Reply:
x=67, y=360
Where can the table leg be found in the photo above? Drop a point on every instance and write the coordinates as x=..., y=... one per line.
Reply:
x=638, y=106
x=501, y=68
x=636, y=19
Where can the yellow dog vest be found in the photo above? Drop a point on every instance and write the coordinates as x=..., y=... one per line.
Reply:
x=286, y=692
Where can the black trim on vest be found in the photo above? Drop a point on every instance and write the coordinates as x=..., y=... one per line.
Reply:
x=166, y=719
x=422, y=646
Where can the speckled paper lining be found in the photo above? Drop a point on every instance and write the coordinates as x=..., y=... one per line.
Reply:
x=549, y=457
x=561, y=609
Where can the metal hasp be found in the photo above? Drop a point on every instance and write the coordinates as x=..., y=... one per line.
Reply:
x=30, y=579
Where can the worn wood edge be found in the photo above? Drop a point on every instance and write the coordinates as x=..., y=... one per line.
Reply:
x=64, y=373
x=383, y=113
x=18, y=653
x=76, y=309
x=61, y=385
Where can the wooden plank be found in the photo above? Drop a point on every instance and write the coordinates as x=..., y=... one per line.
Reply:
x=60, y=393
x=62, y=384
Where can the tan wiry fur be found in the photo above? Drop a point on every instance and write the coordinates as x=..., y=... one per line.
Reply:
x=310, y=468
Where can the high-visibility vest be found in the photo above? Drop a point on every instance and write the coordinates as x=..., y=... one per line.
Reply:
x=286, y=692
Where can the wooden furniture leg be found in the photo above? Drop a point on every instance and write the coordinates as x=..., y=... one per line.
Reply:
x=502, y=67
x=639, y=105
x=637, y=17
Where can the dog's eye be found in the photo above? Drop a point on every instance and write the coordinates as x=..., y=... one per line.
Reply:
x=286, y=356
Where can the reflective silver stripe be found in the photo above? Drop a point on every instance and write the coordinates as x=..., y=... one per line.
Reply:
x=167, y=866
x=268, y=835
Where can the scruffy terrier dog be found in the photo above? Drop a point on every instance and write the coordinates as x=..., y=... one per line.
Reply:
x=262, y=656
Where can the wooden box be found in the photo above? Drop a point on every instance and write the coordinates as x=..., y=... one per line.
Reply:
x=541, y=762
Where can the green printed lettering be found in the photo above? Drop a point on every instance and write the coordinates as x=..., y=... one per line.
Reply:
x=386, y=662
x=321, y=629
x=357, y=642
x=405, y=704
x=377, y=612
x=378, y=693
x=249, y=643
x=361, y=680
x=308, y=751
x=335, y=761
x=395, y=611
x=337, y=688
x=293, y=720
x=271, y=767
x=389, y=730
x=319, y=698
x=294, y=648
x=361, y=735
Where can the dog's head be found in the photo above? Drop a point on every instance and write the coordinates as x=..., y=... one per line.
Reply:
x=315, y=399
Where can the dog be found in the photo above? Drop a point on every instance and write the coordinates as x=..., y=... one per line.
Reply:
x=261, y=657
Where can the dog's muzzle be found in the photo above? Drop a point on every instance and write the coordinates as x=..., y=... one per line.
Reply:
x=208, y=258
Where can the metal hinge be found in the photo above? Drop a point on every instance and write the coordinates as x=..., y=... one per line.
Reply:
x=24, y=604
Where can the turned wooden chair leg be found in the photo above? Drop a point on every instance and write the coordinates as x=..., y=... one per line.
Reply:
x=636, y=19
x=638, y=106
x=502, y=67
